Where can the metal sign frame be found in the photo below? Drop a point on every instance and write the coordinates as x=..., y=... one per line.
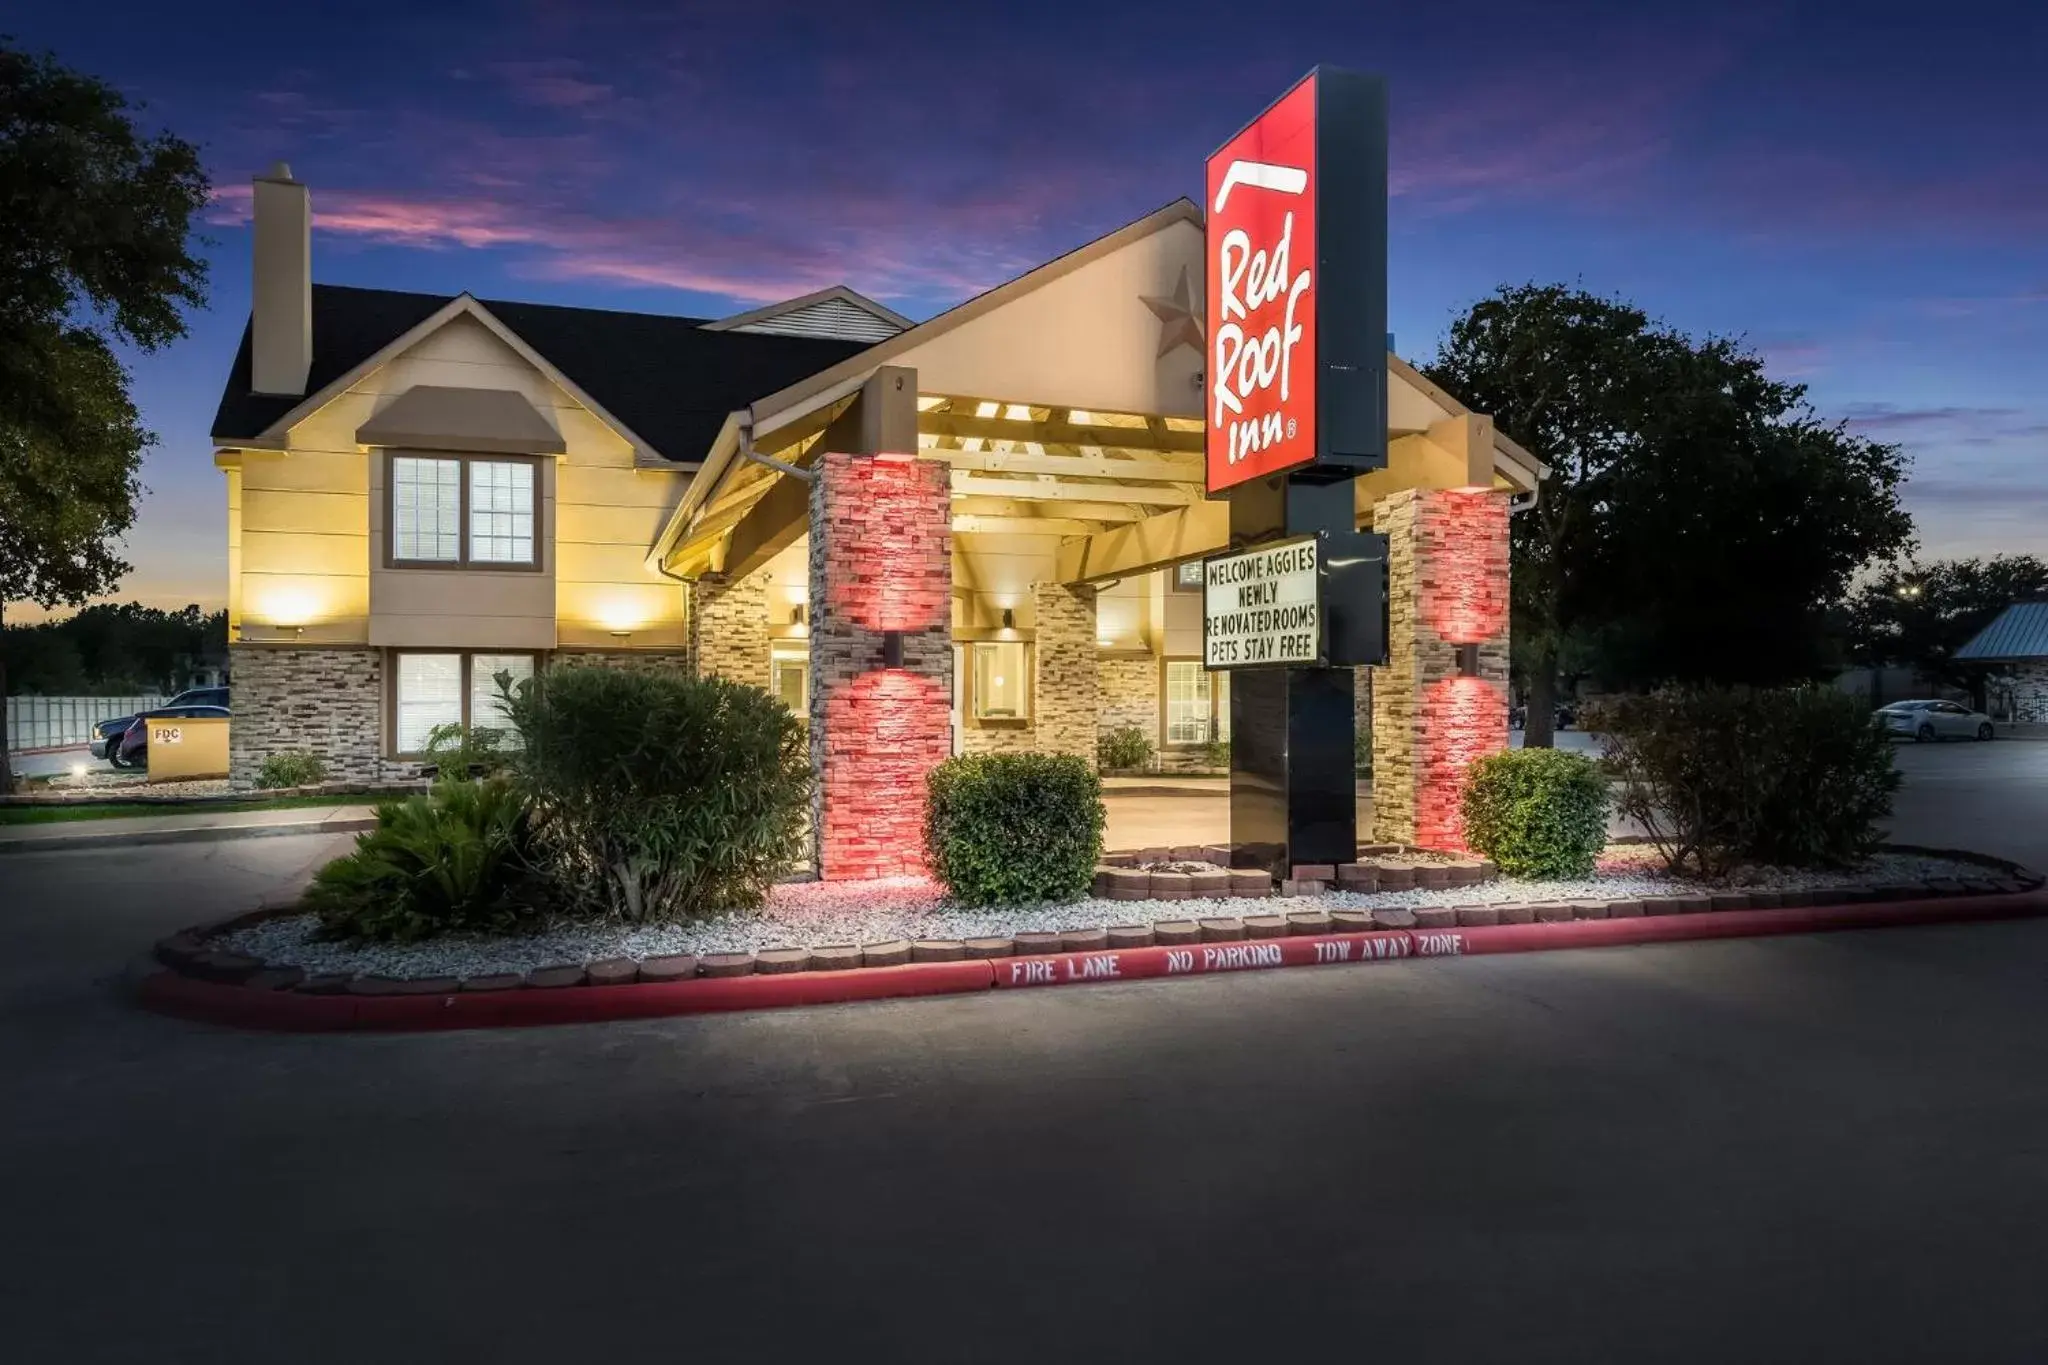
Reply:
x=1322, y=659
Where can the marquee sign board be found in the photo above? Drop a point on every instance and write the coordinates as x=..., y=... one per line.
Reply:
x=1297, y=286
x=1264, y=607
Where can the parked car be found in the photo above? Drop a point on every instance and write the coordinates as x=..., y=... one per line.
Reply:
x=1923, y=721
x=134, y=743
x=107, y=735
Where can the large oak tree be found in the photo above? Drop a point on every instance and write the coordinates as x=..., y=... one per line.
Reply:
x=95, y=250
x=1699, y=520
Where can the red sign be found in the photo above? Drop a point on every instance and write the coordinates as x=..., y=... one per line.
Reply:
x=1262, y=293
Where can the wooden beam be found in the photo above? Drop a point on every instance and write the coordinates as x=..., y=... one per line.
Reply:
x=1073, y=511
x=771, y=526
x=1161, y=466
x=1142, y=546
x=1044, y=488
x=1023, y=526
x=999, y=428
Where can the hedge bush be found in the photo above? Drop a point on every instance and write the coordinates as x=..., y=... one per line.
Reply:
x=294, y=769
x=453, y=859
x=1124, y=749
x=1005, y=829
x=1723, y=776
x=1537, y=812
x=658, y=796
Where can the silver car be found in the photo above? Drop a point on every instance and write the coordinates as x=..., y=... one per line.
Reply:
x=1931, y=720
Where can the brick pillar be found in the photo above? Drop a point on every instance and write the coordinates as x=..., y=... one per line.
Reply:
x=881, y=561
x=729, y=629
x=1066, y=694
x=1447, y=585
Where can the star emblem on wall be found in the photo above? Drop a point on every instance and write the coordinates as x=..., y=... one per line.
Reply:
x=1180, y=323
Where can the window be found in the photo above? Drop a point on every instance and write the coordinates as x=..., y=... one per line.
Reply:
x=999, y=680
x=1187, y=576
x=790, y=681
x=463, y=510
x=426, y=509
x=430, y=690
x=1189, y=706
x=1197, y=703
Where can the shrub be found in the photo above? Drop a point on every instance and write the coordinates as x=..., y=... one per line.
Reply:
x=459, y=751
x=1124, y=749
x=1361, y=751
x=1216, y=755
x=659, y=796
x=1001, y=829
x=1537, y=812
x=447, y=861
x=294, y=769
x=1722, y=776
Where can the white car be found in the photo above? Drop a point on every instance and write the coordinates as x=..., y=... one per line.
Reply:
x=1929, y=720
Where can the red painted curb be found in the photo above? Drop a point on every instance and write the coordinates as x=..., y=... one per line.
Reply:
x=170, y=993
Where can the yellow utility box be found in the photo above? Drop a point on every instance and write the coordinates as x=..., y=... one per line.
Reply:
x=182, y=748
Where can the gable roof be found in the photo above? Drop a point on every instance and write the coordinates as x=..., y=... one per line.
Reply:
x=2020, y=632
x=670, y=380
x=836, y=312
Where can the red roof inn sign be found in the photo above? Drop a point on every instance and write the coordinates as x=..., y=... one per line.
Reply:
x=1297, y=251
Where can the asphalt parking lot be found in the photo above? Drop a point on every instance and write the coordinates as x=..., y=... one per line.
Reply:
x=1802, y=1149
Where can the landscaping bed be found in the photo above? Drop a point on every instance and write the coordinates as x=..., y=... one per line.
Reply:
x=813, y=926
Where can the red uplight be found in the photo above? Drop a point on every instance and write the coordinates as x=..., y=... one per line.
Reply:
x=1463, y=720
x=884, y=731
x=1465, y=597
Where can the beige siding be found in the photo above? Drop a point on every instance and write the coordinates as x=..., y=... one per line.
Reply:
x=234, y=477
x=306, y=527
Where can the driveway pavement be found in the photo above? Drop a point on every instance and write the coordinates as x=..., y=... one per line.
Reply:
x=1817, y=1149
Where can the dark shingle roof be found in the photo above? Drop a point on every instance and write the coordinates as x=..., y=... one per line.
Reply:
x=2020, y=632
x=666, y=378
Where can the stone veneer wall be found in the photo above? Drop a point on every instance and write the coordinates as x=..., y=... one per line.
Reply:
x=1128, y=687
x=293, y=699
x=664, y=661
x=881, y=560
x=1066, y=691
x=2029, y=686
x=997, y=739
x=1447, y=584
x=729, y=629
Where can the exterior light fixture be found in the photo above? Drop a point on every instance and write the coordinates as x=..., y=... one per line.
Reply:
x=1009, y=619
x=796, y=614
x=622, y=634
x=892, y=649
x=1468, y=661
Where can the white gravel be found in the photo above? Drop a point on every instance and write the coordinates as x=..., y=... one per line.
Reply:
x=814, y=914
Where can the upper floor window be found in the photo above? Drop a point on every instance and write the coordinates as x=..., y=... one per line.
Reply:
x=462, y=509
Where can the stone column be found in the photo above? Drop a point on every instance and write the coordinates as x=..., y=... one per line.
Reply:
x=1447, y=587
x=881, y=566
x=729, y=629
x=1066, y=694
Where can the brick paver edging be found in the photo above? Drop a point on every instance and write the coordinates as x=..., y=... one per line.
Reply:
x=444, y=1005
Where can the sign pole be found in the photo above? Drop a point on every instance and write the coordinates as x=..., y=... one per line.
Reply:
x=1296, y=403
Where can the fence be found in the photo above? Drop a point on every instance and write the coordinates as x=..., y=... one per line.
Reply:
x=53, y=722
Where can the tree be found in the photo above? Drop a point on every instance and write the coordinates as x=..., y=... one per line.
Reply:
x=1698, y=521
x=95, y=247
x=1919, y=615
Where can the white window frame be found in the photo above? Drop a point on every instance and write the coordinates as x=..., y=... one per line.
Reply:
x=465, y=689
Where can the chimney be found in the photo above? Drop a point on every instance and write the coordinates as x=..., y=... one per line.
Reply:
x=281, y=311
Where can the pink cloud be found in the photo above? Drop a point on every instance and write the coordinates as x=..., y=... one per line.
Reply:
x=554, y=84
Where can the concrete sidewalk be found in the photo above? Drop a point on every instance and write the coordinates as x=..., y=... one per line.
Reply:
x=192, y=825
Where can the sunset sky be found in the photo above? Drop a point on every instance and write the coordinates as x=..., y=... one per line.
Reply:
x=1859, y=188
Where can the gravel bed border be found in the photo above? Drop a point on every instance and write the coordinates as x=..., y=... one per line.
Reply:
x=274, y=948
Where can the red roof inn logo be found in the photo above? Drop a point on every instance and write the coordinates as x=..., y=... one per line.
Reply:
x=1297, y=279
x=1262, y=294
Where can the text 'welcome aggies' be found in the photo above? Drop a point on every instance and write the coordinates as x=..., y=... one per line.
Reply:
x=1133, y=964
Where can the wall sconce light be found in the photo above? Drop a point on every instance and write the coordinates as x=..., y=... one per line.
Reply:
x=796, y=614
x=892, y=649
x=622, y=634
x=1009, y=619
x=1468, y=661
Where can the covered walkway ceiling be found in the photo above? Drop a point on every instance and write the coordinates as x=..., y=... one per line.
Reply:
x=1122, y=493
